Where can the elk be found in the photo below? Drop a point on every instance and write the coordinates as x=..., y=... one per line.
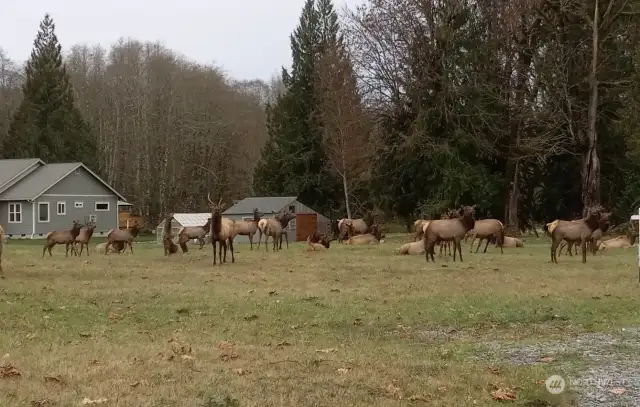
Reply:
x=360, y=226
x=317, y=237
x=66, y=237
x=448, y=230
x=1, y=244
x=122, y=236
x=620, y=242
x=485, y=229
x=84, y=237
x=248, y=228
x=594, y=241
x=167, y=239
x=315, y=247
x=418, y=229
x=192, y=232
x=275, y=228
x=577, y=231
x=222, y=231
x=412, y=248
x=373, y=237
x=262, y=224
x=116, y=247
x=511, y=242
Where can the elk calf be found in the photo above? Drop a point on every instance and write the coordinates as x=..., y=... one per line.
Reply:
x=315, y=247
x=66, y=237
x=167, y=239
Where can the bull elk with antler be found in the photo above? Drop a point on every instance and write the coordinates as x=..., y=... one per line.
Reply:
x=222, y=231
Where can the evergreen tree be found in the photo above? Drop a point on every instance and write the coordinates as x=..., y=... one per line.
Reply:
x=47, y=124
x=293, y=161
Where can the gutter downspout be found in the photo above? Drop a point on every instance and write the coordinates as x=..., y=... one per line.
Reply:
x=33, y=217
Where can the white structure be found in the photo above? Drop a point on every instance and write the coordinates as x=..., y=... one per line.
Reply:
x=637, y=218
x=181, y=220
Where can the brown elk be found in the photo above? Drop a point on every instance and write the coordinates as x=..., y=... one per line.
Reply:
x=125, y=237
x=193, y=232
x=116, y=247
x=85, y=237
x=486, y=229
x=511, y=242
x=579, y=231
x=275, y=228
x=262, y=224
x=418, y=229
x=594, y=241
x=222, y=231
x=449, y=230
x=314, y=246
x=167, y=239
x=66, y=237
x=620, y=242
x=248, y=228
x=412, y=248
x=360, y=226
x=373, y=237
x=318, y=237
x=1, y=244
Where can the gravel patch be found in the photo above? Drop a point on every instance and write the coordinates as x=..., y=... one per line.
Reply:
x=612, y=365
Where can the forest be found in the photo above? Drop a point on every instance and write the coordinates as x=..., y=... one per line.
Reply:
x=526, y=108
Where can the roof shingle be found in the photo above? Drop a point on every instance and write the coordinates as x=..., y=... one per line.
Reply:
x=12, y=167
x=38, y=181
x=265, y=204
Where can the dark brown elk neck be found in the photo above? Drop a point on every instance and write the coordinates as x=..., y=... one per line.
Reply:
x=134, y=230
x=75, y=230
x=467, y=222
x=592, y=221
x=90, y=231
x=207, y=225
x=256, y=216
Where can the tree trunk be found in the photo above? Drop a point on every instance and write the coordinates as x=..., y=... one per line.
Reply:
x=346, y=194
x=591, y=161
x=514, y=197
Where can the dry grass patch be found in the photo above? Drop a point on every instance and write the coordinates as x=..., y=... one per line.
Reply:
x=355, y=326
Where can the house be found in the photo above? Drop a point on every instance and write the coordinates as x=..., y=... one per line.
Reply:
x=181, y=220
x=306, y=222
x=37, y=198
x=126, y=216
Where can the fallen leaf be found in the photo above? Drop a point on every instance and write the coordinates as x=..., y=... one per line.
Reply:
x=503, y=395
x=329, y=350
x=357, y=321
x=547, y=359
x=42, y=403
x=225, y=345
x=87, y=400
x=241, y=372
x=187, y=357
x=9, y=371
x=294, y=326
x=182, y=310
x=134, y=384
x=250, y=317
x=85, y=334
x=540, y=382
x=595, y=297
x=494, y=369
x=335, y=290
x=393, y=391
x=343, y=370
x=273, y=292
x=544, y=295
x=418, y=397
x=618, y=391
x=53, y=379
x=94, y=362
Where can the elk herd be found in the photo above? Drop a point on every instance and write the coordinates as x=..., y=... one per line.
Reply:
x=453, y=227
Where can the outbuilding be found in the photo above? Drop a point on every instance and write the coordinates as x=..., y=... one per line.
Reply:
x=181, y=220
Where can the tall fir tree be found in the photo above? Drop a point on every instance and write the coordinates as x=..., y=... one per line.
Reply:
x=47, y=124
x=293, y=161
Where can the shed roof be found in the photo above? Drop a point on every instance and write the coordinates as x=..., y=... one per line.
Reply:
x=11, y=168
x=190, y=219
x=265, y=204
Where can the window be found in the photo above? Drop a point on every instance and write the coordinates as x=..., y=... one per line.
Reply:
x=43, y=212
x=102, y=206
x=78, y=204
x=15, y=213
x=62, y=208
x=292, y=208
x=93, y=218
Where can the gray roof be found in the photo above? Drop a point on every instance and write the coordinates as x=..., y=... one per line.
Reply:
x=265, y=204
x=39, y=181
x=10, y=169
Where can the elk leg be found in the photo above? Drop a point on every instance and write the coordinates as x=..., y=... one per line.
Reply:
x=201, y=240
x=286, y=237
x=486, y=245
x=233, y=259
x=259, y=238
x=106, y=248
x=266, y=244
x=554, y=247
x=44, y=249
x=473, y=239
x=583, y=246
x=213, y=243
x=223, y=244
x=458, y=245
x=250, y=240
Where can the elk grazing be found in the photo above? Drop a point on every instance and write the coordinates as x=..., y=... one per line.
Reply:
x=1, y=244
x=275, y=228
x=314, y=246
x=222, y=231
x=66, y=237
x=125, y=237
x=620, y=242
x=193, y=232
x=116, y=247
x=412, y=248
x=167, y=239
x=449, y=230
x=373, y=237
x=577, y=231
x=248, y=228
x=85, y=237
x=360, y=226
x=486, y=229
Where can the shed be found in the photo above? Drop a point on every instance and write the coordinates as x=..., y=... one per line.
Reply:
x=306, y=222
x=181, y=220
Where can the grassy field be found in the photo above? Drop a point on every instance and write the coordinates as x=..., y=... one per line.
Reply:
x=356, y=326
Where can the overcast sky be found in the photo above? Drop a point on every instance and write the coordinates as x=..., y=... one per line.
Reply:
x=248, y=38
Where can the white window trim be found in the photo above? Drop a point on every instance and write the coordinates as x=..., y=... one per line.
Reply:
x=78, y=204
x=64, y=203
x=15, y=212
x=48, y=212
x=102, y=210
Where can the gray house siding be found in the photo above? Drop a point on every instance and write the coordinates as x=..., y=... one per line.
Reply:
x=17, y=229
x=105, y=220
x=80, y=182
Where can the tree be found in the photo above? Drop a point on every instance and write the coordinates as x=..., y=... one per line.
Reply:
x=47, y=124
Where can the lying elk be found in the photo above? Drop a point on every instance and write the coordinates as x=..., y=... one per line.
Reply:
x=167, y=238
x=486, y=229
x=412, y=248
x=116, y=247
x=577, y=231
x=449, y=230
x=275, y=228
x=594, y=241
x=1, y=244
x=620, y=242
x=314, y=246
x=373, y=237
x=222, y=231
x=320, y=238
x=192, y=232
x=122, y=236
x=248, y=228
x=85, y=237
x=66, y=237
x=511, y=242
x=360, y=226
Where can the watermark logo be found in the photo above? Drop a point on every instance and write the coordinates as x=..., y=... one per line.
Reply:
x=555, y=384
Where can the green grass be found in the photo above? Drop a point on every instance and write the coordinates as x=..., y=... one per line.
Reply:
x=356, y=326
